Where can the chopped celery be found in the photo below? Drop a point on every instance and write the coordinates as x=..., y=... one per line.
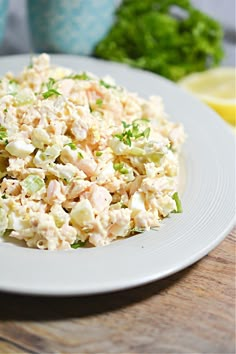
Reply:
x=177, y=200
x=136, y=151
x=137, y=230
x=33, y=184
x=3, y=132
x=3, y=221
x=78, y=244
x=120, y=167
x=13, y=87
x=155, y=156
x=72, y=146
x=23, y=99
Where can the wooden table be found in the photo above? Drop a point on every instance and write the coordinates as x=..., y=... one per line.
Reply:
x=192, y=311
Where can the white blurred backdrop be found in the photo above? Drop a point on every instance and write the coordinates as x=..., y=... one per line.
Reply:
x=17, y=39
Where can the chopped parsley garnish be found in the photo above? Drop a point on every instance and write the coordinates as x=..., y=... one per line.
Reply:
x=137, y=230
x=4, y=196
x=78, y=244
x=120, y=167
x=51, y=82
x=99, y=102
x=125, y=125
x=98, y=153
x=105, y=84
x=80, y=155
x=3, y=133
x=12, y=81
x=179, y=208
x=132, y=131
x=5, y=110
x=51, y=91
x=82, y=76
x=72, y=146
x=124, y=137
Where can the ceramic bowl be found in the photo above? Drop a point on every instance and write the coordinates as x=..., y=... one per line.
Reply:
x=3, y=16
x=74, y=26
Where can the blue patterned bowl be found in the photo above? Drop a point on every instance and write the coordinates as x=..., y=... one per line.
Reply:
x=74, y=26
x=3, y=16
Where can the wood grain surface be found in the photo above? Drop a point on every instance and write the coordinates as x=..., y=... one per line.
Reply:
x=192, y=311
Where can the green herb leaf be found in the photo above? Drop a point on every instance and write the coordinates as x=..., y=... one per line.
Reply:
x=78, y=244
x=82, y=76
x=80, y=155
x=72, y=146
x=172, y=28
x=99, y=102
x=4, y=196
x=3, y=132
x=51, y=91
x=125, y=125
x=105, y=84
x=177, y=200
x=50, y=83
x=131, y=131
x=5, y=110
x=98, y=153
x=137, y=230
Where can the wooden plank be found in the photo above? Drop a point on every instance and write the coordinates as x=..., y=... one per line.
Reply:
x=192, y=311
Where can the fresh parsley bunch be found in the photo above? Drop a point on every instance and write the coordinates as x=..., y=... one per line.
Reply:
x=169, y=37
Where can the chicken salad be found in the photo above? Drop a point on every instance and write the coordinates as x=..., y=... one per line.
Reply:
x=82, y=159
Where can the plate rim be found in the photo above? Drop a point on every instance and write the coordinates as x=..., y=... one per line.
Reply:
x=132, y=284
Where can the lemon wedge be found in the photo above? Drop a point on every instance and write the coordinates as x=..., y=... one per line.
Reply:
x=216, y=87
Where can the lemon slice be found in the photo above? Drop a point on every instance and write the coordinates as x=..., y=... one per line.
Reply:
x=216, y=87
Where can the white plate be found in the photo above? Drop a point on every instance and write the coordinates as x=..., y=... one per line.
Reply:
x=208, y=203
